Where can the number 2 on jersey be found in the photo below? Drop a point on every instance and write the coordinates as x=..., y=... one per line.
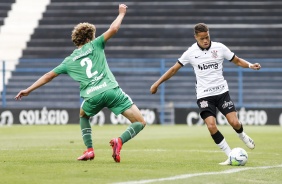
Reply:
x=88, y=67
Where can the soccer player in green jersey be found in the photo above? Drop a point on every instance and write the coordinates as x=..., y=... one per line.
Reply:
x=98, y=86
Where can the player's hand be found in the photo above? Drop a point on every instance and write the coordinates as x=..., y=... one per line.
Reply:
x=154, y=88
x=22, y=93
x=122, y=8
x=255, y=66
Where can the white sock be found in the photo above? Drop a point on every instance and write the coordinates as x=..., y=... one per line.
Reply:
x=224, y=147
x=241, y=135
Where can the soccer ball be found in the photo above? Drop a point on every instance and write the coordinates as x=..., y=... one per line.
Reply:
x=238, y=157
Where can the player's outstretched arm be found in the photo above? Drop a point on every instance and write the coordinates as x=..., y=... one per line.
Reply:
x=245, y=64
x=167, y=75
x=40, y=82
x=116, y=23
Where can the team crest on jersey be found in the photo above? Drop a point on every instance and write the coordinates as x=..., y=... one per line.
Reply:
x=214, y=53
x=204, y=104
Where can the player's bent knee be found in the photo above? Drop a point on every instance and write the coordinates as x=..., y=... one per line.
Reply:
x=212, y=127
x=82, y=114
x=143, y=123
x=235, y=123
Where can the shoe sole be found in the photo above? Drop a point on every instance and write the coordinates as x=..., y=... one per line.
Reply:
x=83, y=159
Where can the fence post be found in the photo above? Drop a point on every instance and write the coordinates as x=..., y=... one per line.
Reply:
x=162, y=95
x=240, y=87
x=4, y=86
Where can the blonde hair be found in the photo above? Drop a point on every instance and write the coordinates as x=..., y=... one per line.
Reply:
x=83, y=32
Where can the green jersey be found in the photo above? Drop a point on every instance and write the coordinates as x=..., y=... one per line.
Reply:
x=88, y=66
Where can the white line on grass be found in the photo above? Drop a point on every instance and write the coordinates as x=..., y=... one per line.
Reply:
x=184, y=176
x=132, y=150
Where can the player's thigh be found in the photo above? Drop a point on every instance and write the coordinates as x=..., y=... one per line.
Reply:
x=133, y=114
x=207, y=107
x=92, y=106
x=117, y=101
x=225, y=104
x=233, y=120
x=228, y=109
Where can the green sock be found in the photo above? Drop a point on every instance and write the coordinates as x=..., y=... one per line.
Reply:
x=86, y=131
x=131, y=131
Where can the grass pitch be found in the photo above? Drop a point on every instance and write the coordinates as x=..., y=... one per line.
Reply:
x=159, y=154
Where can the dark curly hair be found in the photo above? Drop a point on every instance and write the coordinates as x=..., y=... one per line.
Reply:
x=200, y=27
x=82, y=32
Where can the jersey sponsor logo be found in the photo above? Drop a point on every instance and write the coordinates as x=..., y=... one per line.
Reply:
x=204, y=104
x=214, y=88
x=97, y=78
x=227, y=104
x=208, y=66
x=95, y=88
x=197, y=56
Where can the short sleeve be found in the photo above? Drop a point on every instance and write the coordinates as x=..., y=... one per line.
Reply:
x=99, y=42
x=227, y=54
x=60, y=69
x=184, y=59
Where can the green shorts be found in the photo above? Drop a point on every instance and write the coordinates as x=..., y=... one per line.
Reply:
x=114, y=99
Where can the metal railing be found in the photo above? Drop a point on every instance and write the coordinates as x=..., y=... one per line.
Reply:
x=157, y=67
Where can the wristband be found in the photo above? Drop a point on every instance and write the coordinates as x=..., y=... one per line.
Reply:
x=250, y=65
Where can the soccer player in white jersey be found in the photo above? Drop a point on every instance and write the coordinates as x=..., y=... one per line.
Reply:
x=207, y=58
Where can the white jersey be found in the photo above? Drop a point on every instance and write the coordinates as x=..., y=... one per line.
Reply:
x=208, y=67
